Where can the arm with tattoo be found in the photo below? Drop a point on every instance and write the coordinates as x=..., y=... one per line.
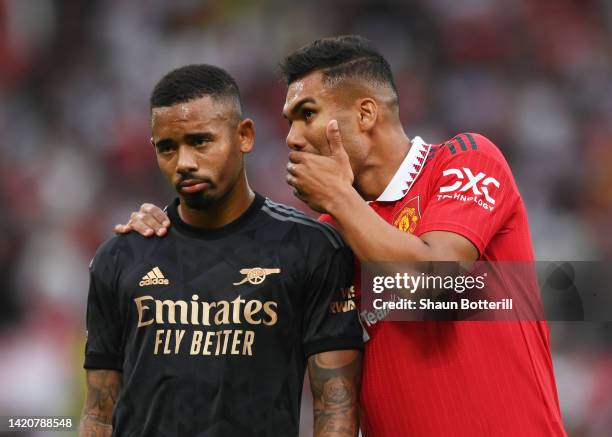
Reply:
x=335, y=379
x=102, y=390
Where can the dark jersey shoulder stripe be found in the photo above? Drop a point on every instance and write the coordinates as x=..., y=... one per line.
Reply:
x=299, y=214
x=460, y=140
x=287, y=213
x=461, y=143
x=472, y=141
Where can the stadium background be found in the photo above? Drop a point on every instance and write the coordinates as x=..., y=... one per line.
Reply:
x=533, y=75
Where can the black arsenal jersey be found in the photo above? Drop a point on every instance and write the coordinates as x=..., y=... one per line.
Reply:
x=211, y=329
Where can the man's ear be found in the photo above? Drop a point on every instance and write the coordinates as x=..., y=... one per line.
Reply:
x=368, y=113
x=246, y=135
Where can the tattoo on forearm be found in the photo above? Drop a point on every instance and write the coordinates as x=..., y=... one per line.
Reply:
x=102, y=392
x=336, y=394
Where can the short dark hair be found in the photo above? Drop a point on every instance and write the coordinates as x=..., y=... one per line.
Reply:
x=195, y=81
x=339, y=57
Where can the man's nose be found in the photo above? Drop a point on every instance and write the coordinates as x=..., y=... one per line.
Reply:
x=295, y=141
x=187, y=161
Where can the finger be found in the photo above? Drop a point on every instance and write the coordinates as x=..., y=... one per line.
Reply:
x=291, y=180
x=292, y=168
x=297, y=157
x=334, y=138
x=151, y=222
x=156, y=213
x=122, y=229
x=297, y=193
x=294, y=182
x=144, y=224
x=143, y=229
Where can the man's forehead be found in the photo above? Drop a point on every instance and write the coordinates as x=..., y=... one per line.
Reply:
x=310, y=86
x=190, y=108
x=294, y=91
x=203, y=109
x=181, y=111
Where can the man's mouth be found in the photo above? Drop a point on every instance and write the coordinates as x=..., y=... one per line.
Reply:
x=191, y=186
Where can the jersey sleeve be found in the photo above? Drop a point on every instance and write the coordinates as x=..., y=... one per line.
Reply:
x=472, y=192
x=103, y=348
x=331, y=320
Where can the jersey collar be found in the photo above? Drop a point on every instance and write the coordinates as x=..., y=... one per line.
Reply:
x=216, y=233
x=407, y=173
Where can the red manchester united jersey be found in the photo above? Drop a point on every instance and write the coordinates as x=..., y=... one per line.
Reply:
x=467, y=378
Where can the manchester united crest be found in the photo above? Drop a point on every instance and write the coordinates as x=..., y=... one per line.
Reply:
x=407, y=219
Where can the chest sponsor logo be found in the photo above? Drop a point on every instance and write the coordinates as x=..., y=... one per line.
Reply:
x=210, y=328
x=469, y=187
x=256, y=275
x=407, y=219
x=154, y=277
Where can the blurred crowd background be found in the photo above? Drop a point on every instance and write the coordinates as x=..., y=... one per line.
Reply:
x=535, y=76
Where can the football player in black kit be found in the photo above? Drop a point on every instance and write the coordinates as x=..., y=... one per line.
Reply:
x=209, y=331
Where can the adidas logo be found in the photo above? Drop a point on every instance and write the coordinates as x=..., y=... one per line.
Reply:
x=154, y=277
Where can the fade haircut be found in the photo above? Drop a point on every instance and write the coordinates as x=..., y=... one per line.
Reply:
x=194, y=81
x=339, y=58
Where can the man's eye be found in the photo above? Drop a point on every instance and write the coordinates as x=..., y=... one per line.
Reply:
x=164, y=150
x=308, y=114
x=200, y=139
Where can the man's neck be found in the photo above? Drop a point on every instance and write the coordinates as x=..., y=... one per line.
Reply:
x=385, y=159
x=225, y=211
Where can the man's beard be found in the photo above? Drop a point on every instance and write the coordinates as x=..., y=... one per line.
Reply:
x=199, y=201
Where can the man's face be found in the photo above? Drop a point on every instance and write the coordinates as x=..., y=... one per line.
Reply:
x=309, y=106
x=198, y=149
